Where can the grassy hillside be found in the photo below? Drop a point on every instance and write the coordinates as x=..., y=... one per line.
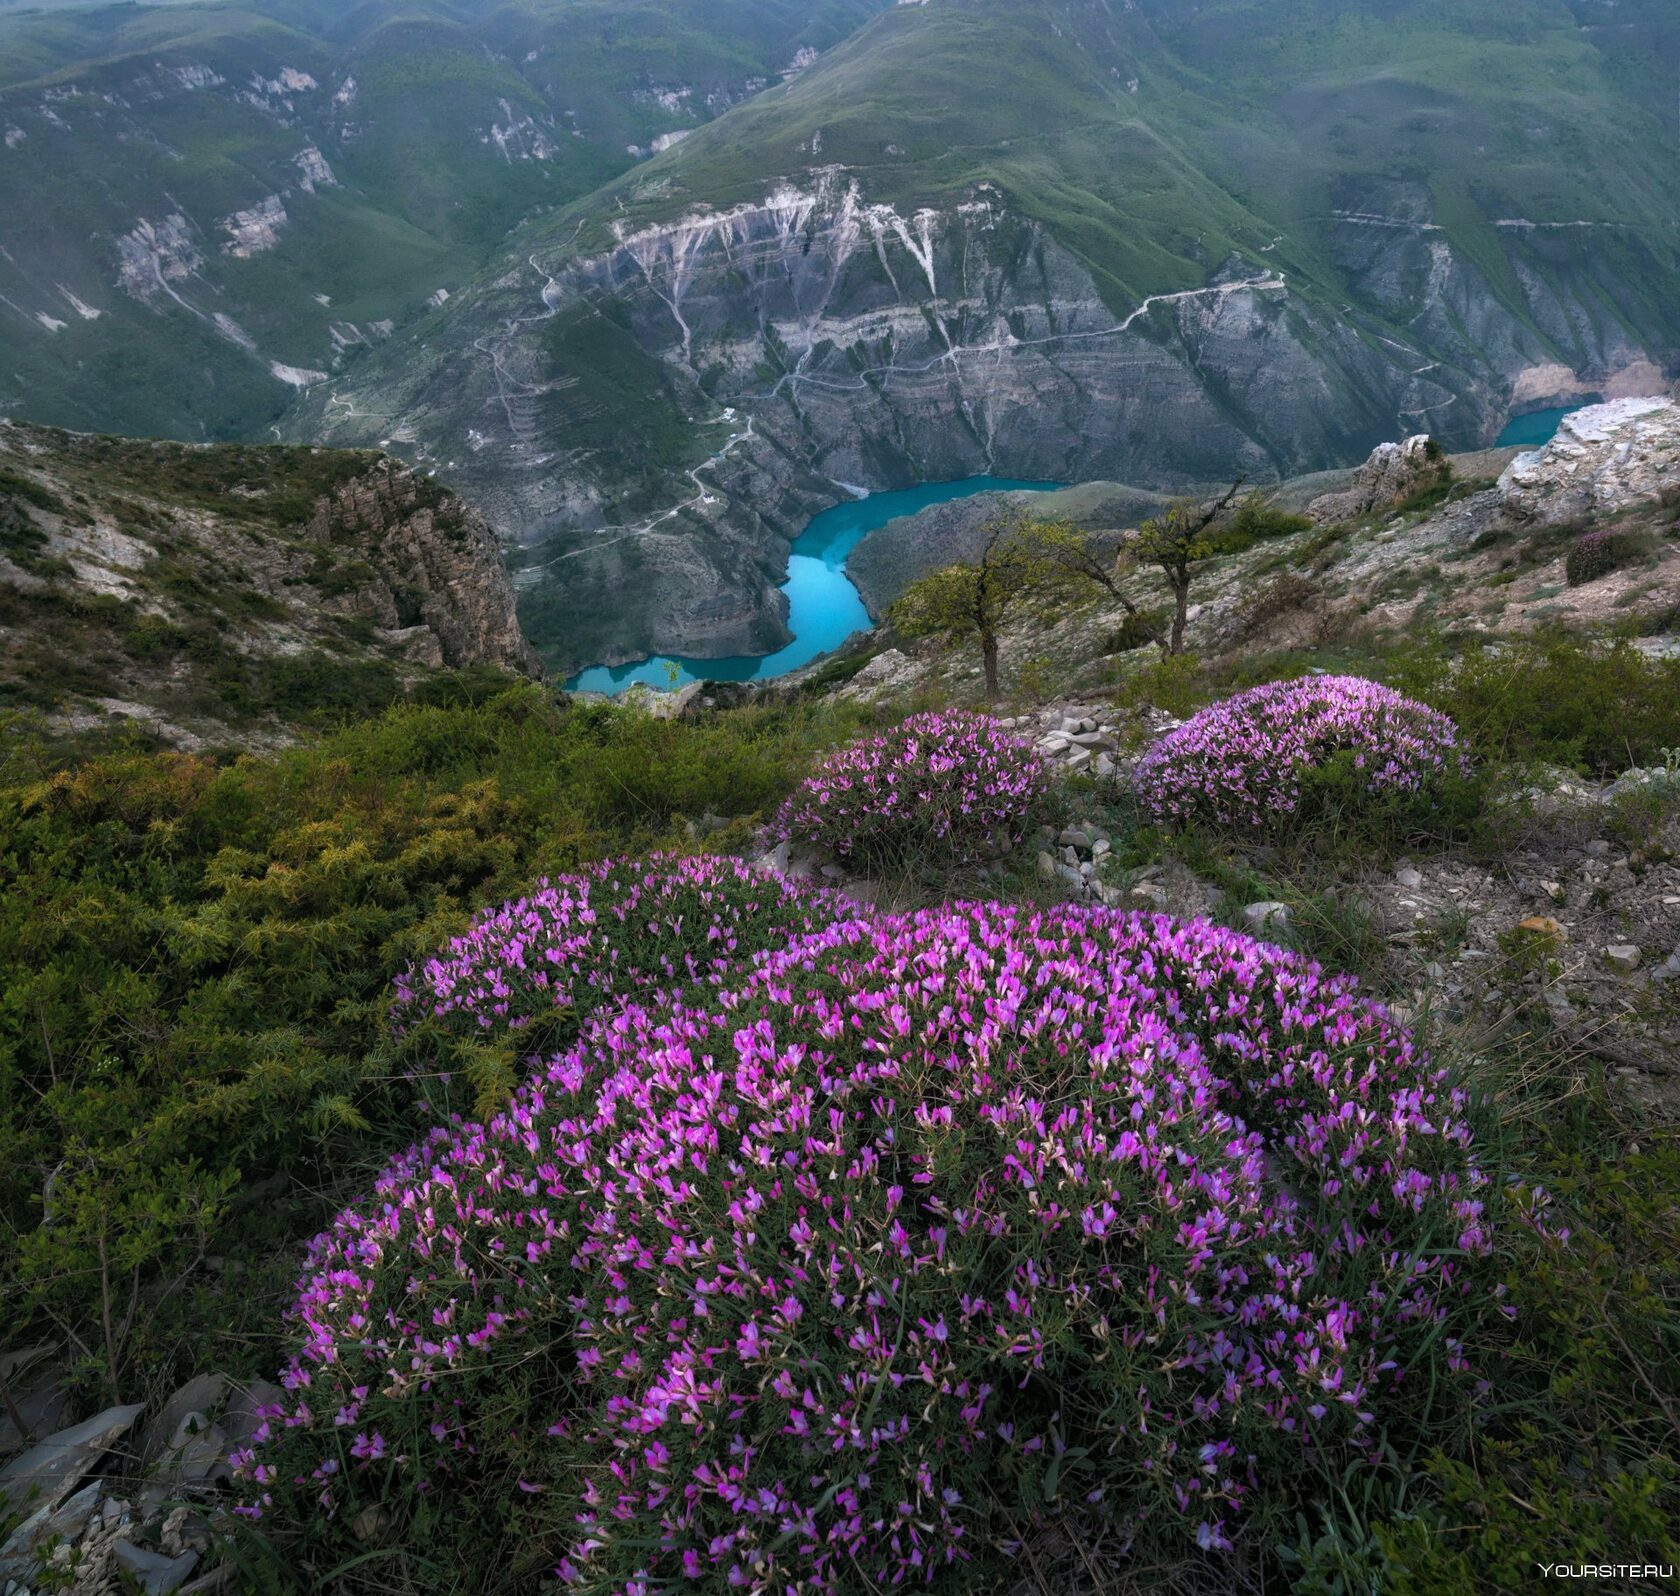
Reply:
x=220, y=190
x=1155, y=139
x=226, y=595
x=200, y=1067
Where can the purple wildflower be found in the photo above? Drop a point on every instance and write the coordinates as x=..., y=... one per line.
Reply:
x=784, y=1283
x=1246, y=761
x=953, y=783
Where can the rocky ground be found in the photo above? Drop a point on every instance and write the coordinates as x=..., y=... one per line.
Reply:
x=154, y=583
x=132, y=1498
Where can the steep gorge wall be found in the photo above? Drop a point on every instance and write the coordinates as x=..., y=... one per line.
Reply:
x=650, y=423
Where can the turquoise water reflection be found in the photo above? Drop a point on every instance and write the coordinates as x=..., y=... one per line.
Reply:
x=824, y=608
x=1534, y=429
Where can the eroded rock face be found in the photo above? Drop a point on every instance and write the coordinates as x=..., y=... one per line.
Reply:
x=814, y=340
x=1394, y=472
x=441, y=566
x=1604, y=459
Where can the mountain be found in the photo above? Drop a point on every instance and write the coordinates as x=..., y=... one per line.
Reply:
x=1158, y=241
x=225, y=595
x=209, y=206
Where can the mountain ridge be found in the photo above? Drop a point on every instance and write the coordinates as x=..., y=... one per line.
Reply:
x=690, y=362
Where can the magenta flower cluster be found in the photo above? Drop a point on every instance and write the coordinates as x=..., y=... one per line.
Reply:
x=1253, y=759
x=838, y=1276
x=582, y=941
x=956, y=784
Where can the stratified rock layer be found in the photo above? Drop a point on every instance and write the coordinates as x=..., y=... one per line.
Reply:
x=1605, y=459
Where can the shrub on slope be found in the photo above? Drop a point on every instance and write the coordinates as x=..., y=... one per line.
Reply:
x=952, y=785
x=541, y=964
x=197, y=959
x=1277, y=755
x=931, y=1221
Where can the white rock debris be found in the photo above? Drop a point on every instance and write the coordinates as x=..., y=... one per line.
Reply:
x=254, y=231
x=155, y=254
x=316, y=173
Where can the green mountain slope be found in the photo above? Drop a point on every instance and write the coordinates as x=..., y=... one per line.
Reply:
x=209, y=206
x=1157, y=242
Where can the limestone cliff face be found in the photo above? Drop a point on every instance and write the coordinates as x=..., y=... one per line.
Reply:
x=439, y=572
x=226, y=595
x=653, y=421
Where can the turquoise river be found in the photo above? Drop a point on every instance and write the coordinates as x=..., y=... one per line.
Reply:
x=824, y=608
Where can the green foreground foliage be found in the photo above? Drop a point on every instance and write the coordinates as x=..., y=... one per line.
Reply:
x=198, y=1069
x=194, y=1055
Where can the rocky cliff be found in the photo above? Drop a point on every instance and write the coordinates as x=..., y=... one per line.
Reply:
x=877, y=277
x=1605, y=460
x=206, y=590
x=814, y=341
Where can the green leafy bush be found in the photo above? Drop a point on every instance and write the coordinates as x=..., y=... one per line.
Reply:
x=1256, y=520
x=198, y=960
x=1143, y=630
x=1599, y=707
x=1579, y=1459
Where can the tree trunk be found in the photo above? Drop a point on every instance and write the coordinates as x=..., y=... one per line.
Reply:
x=1181, y=606
x=989, y=656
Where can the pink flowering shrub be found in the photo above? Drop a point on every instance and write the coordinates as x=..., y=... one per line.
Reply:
x=1276, y=754
x=544, y=962
x=930, y=1228
x=952, y=783
x=1597, y=554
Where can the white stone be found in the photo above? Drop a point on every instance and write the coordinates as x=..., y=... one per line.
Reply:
x=60, y=1524
x=1604, y=459
x=1623, y=956
x=1268, y=916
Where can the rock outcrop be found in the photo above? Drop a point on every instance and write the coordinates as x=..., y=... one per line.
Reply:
x=440, y=568
x=1605, y=459
x=205, y=590
x=1393, y=473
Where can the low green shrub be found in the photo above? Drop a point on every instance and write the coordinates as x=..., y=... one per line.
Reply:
x=1257, y=519
x=1579, y=1458
x=1142, y=630
x=1597, y=707
x=198, y=958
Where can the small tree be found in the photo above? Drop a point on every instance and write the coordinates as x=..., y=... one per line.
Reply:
x=1080, y=557
x=972, y=600
x=1176, y=542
